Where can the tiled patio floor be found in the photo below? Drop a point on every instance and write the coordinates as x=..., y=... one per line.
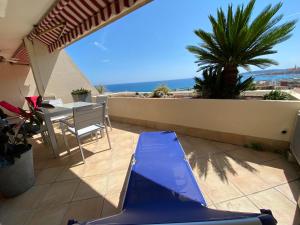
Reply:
x=231, y=177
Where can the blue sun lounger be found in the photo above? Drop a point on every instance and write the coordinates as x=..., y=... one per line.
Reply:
x=162, y=190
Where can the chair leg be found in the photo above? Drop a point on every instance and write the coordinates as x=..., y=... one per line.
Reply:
x=108, y=121
x=65, y=138
x=107, y=136
x=81, y=150
x=44, y=137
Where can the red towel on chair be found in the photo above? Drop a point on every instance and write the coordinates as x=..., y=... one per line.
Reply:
x=10, y=107
x=14, y=109
x=34, y=101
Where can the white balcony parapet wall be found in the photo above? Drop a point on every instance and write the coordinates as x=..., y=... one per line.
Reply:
x=252, y=118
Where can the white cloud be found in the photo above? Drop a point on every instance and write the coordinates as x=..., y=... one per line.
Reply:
x=100, y=45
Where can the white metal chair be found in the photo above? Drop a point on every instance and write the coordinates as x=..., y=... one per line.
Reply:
x=56, y=103
x=43, y=128
x=87, y=120
x=101, y=99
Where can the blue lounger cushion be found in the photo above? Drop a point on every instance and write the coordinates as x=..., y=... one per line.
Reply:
x=162, y=190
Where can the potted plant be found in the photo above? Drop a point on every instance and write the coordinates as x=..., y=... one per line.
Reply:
x=16, y=160
x=80, y=95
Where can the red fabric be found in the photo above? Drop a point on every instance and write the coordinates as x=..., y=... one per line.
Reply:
x=33, y=101
x=10, y=107
x=15, y=110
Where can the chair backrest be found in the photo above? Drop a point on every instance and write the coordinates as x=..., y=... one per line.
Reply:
x=89, y=115
x=55, y=102
x=49, y=97
x=101, y=98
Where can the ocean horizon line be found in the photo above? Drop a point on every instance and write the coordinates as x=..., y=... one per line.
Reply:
x=188, y=83
x=147, y=81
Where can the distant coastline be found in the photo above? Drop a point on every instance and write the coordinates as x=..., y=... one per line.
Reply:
x=188, y=83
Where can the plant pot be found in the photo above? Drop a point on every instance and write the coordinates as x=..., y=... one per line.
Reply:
x=80, y=98
x=19, y=177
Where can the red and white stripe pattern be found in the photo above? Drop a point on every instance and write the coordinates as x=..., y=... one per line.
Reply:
x=21, y=55
x=69, y=19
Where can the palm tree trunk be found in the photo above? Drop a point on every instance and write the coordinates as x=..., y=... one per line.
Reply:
x=230, y=74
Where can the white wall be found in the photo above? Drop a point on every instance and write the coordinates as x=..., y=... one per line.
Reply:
x=56, y=76
x=262, y=119
x=55, y=73
x=16, y=82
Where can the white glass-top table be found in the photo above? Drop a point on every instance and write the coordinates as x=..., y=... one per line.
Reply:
x=59, y=110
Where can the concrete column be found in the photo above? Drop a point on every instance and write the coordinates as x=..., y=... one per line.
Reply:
x=34, y=66
x=42, y=63
x=54, y=73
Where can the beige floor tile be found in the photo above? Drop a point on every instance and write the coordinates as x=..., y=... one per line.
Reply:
x=51, y=215
x=121, y=163
x=26, y=201
x=89, y=187
x=59, y=193
x=119, y=151
x=198, y=147
x=285, y=211
x=215, y=187
x=206, y=197
x=241, y=174
x=290, y=190
x=72, y=172
x=49, y=175
x=224, y=172
x=224, y=147
x=277, y=172
x=16, y=217
x=252, y=155
x=238, y=205
x=116, y=181
x=50, y=162
x=111, y=204
x=102, y=167
x=219, y=191
x=99, y=156
x=84, y=210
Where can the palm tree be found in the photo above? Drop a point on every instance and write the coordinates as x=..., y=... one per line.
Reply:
x=212, y=84
x=237, y=40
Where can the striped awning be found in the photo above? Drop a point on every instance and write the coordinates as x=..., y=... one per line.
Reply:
x=21, y=55
x=70, y=19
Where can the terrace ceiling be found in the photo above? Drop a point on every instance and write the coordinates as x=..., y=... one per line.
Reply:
x=56, y=23
x=17, y=18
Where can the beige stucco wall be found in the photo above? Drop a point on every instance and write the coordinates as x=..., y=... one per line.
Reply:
x=66, y=77
x=16, y=82
x=55, y=73
x=263, y=119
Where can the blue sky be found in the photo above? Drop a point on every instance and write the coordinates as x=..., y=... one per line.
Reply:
x=150, y=43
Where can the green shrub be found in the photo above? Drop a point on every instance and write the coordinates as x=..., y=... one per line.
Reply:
x=100, y=89
x=277, y=95
x=255, y=146
x=81, y=91
x=251, y=86
x=212, y=85
x=161, y=91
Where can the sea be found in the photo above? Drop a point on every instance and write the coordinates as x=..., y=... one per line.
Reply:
x=184, y=84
